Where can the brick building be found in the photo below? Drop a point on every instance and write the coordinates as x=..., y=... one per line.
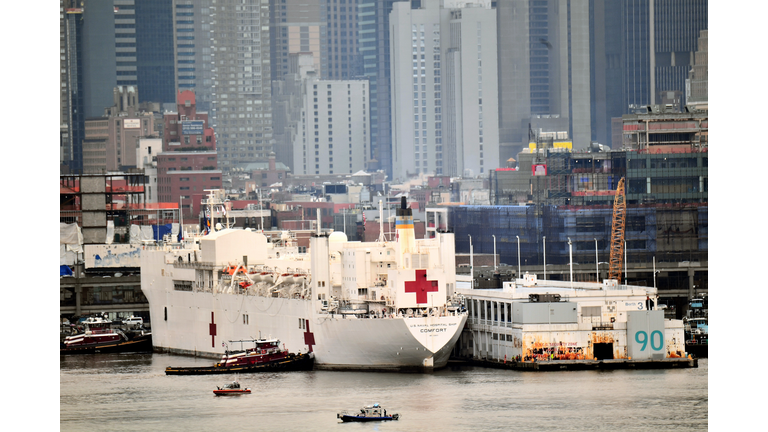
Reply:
x=188, y=163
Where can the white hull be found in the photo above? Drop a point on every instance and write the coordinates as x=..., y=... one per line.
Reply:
x=381, y=305
x=421, y=343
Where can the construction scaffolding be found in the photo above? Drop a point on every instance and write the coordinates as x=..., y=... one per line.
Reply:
x=93, y=201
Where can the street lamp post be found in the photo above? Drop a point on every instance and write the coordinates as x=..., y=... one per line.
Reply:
x=625, y=263
x=181, y=217
x=261, y=216
x=570, y=255
x=597, y=266
x=545, y=257
x=471, y=258
x=518, y=257
x=494, y=252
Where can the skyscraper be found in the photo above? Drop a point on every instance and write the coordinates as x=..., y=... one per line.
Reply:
x=514, y=76
x=232, y=36
x=296, y=35
x=193, y=60
x=636, y=59
x=296, y=26
x=333, y=133
x=545, y=71
x=105, y=44
x=242, y=89
x=444, y=81
x=155, y=74
x=341, y=59
x=71, y=103
x=674, y=38
x=99, y=56
x=125, y=42
x=373, y=45
x=144, y=47
x=698, y=81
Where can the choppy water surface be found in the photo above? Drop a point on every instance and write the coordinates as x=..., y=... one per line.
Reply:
x=130, y=392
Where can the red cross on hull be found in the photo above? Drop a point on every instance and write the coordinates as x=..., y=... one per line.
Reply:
x=309, y=338
x=421, y=286
x=212, y=332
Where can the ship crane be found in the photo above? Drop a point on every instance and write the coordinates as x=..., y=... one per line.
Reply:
x=617, y=233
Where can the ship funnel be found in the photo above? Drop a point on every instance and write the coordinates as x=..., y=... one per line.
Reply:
x=404, y=226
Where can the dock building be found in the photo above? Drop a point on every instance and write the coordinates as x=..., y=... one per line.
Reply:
x=531, y=320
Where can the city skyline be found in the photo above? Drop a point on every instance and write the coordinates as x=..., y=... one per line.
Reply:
x=560, y=66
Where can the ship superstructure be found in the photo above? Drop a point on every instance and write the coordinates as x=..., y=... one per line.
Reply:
x=385, y=305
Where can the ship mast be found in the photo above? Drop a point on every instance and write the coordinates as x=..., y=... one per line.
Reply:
x=381, y=223
x=211, y=220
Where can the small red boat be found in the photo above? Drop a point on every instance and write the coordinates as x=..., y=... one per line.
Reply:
x=232, y=388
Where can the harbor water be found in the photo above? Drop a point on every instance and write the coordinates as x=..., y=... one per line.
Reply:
x=130, y=392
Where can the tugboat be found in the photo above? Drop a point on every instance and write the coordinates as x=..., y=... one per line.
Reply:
x=368, y=413
x=264, y=356
x=99, y=337
x=232, y=388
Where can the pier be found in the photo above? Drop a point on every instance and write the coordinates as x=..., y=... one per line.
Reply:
x=573, y=365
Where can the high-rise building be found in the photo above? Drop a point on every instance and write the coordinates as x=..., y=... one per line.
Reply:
x=674, y=38
x=287, y=105
x=373, y=45
x=109, y=43
x=297, y=29
x=99, y=73
x=126, y=52
x=144, y=47
x=341, y=59
x=514, y=76
x=154, y=50
x=222, y=53
x=698, y=81
x=636, y=60
x=71, y=102
x=193, y=60
x=607, y=77
x=333, y=134
x=296, y=26
x=545, y=72
x=444, y=88
x=242, y=111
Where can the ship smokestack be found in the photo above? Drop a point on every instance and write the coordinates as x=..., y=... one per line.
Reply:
x=404, y=226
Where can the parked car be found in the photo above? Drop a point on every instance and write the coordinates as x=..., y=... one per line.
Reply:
x=134, y=322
